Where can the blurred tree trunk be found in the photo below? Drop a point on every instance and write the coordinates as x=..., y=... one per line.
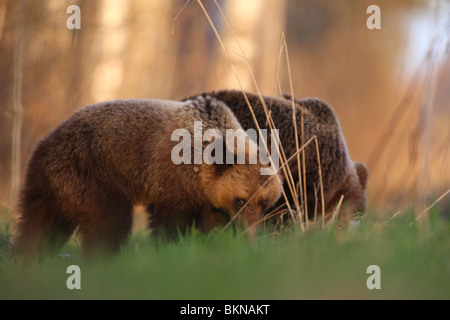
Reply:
x=80, y=64
x=2, y=18
x=257, y=27
x=16, y=133
x=274, y=16
x=109, y=50
x=194, y=44
x=8, y=10
x=149, y=67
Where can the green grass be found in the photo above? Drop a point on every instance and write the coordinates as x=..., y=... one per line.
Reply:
x=414, y=263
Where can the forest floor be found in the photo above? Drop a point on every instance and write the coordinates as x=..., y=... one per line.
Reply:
x=413, y=261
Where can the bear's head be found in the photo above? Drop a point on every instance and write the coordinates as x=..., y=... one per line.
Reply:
x=353, y=190
x=239, y=190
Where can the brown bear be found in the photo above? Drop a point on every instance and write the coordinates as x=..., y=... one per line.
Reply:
x=88, y=173
x=340, y=175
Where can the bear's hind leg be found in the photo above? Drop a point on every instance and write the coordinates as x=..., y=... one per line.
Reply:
x=107, y=226
x=42, y=230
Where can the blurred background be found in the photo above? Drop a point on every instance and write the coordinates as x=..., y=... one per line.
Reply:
x=390, y=87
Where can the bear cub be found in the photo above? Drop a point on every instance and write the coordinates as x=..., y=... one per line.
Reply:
x=93, y=168
x=341, y=176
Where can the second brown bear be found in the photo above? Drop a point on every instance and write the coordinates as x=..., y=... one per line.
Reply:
x=340, y=175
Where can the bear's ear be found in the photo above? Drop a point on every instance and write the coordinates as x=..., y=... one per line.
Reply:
x=363, y=173
x=215, y=170
x=287, y=96
x=215, y=156
x=220, y=169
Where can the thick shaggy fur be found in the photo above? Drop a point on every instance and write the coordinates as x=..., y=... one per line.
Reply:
x=340, y=175
x=91, y=170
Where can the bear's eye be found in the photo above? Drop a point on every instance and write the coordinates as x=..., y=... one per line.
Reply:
x=239, y=203
x=264, y=204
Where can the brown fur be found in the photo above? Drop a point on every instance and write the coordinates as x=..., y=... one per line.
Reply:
x=91, y=170
x=340, y=175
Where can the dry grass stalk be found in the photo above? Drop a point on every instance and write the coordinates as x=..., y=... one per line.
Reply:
x=397, y=116
x=423, y=85
x=320, y=180
x=432, y=205
x=305, y=198
x=294, y=121
x=335, y=213
x=243, y=91
x=177, y=15
x=426, y=122
x=284, y=164
x=295, y=193
x=286, y=170
x=17, y=113
x=284, y=161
